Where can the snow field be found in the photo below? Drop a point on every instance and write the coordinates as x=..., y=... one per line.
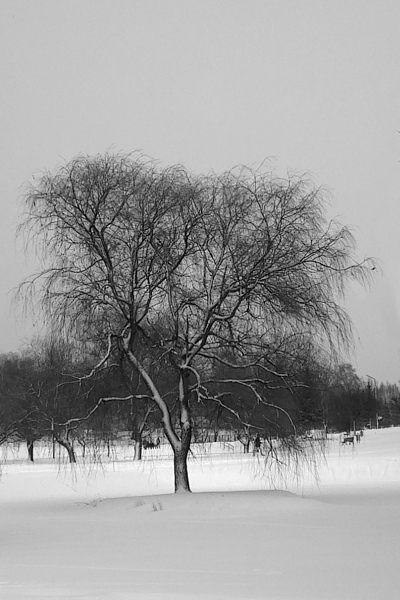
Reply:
x=115, y=531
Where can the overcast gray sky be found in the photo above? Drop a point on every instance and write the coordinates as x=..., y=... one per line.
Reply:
x=313, y=85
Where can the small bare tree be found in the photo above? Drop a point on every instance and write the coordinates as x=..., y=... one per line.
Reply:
x=51, y=398
x=188, y=275
x=18, y=418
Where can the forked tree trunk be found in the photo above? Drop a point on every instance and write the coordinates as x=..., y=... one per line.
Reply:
x=69, y=448
x=83, y=444
x=181, y=452
x=180, y=446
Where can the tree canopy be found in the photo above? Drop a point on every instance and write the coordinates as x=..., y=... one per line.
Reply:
x=221, y=281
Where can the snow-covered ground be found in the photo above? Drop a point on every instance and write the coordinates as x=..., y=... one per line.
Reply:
x=113, y=530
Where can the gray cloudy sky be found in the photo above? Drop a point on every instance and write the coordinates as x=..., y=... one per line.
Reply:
x=314, y=85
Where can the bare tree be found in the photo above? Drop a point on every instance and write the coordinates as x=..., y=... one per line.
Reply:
x=19, y=416
x=190, y=274
x=51, y=399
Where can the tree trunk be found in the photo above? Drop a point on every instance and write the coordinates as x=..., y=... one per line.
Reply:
x=181, y=451
x=181, y=475
x=180, y=446
x=29, y=444
x=82, y=443
x=69, y=448
x=137, y=435
x=138, y=447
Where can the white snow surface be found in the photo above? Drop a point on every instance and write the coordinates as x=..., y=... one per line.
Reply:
x=114, y=530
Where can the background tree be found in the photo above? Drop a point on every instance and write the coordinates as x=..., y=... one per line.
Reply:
x=194, y=272
x=55, y=403
x=18, y=418
x=349, y=403
x=21, y=400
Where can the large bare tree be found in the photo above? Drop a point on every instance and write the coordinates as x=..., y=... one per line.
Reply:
x=208, y=280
